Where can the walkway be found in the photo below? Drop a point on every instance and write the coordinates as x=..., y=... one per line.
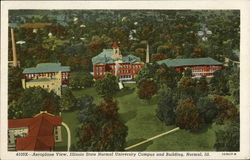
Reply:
x=69, y=136
x=152, y=138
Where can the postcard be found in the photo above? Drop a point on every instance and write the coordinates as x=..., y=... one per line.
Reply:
x=125, y=80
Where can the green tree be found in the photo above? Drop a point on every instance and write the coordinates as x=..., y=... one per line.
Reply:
x=75, y=81
x=87, y=107
x=102, y=130
x=188, y=72
x=96, y=45
x=146, y=73
x=87, y=80
x=81, y=80
x=32, y=101
x=165, y=75
x=219, y=83
x=158, y=56
x=166, y=106
x=227, y=111
x=202, y=86
x=147, y=89
x=187, y=88
x=228, y=139
x=207, y=109
x=234, y=85
x=14, y=83
x=107, y=86
x=165, y=50
x=68, y=100
x=187, y=116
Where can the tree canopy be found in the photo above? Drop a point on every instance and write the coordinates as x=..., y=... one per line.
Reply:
x=101, y=129
x=32, y=101
x=107, y=86
x=187, y=116
x=228, y=139
x=77, y=35
x=166, y=106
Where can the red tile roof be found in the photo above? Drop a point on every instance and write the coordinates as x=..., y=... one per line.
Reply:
x=40, y=136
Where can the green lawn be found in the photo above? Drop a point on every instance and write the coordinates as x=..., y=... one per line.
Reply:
x=183, y=140
x=140, y=117
x=70, y=119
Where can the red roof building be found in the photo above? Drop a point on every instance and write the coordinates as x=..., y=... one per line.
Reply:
x=199, y=66
x=40, y=135
x=112, y=61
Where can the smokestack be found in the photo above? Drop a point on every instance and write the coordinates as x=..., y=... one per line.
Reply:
x=147, y=54
x=13, y=48
x=24, y=83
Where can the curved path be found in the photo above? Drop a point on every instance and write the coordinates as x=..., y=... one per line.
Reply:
x=69, y=135
x=152, y=138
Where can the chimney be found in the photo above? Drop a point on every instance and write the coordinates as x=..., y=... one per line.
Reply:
x=24, y=83
x=147, y=53
x=13, y=48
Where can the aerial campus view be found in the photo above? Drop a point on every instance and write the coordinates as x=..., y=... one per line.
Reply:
x=123, y=80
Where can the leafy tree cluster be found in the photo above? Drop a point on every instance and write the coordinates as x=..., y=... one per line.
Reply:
x=226, y=109
x=32, y=101
x=74, y=37
x=227, y=139
x=152, y=77
x=166, y=106
x=187, y=115
x=81, y=80
x=14, y=83
x=147, y=90
x=68, y=100
x=107, y=86
x=196, y=103
x=101, y=128
x=190, y=107
x=227, y=82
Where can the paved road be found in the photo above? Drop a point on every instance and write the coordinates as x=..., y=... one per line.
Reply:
x=152, y=138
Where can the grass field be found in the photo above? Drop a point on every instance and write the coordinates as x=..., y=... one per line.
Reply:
x=140, y=117
x=70, y=119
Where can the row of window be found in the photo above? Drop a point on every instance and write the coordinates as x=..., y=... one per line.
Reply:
x=125, y=76
x=43, y=86
x=119, y=71
x=203, y=74
x=127, y=66
x=99, y=73
x=64, y=74
x=120, y=66
x=204, y=71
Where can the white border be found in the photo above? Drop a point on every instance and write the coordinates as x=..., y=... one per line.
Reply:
x=243, y=6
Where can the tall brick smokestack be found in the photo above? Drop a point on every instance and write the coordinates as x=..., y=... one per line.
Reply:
x=13, y=48
x=147, y=53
